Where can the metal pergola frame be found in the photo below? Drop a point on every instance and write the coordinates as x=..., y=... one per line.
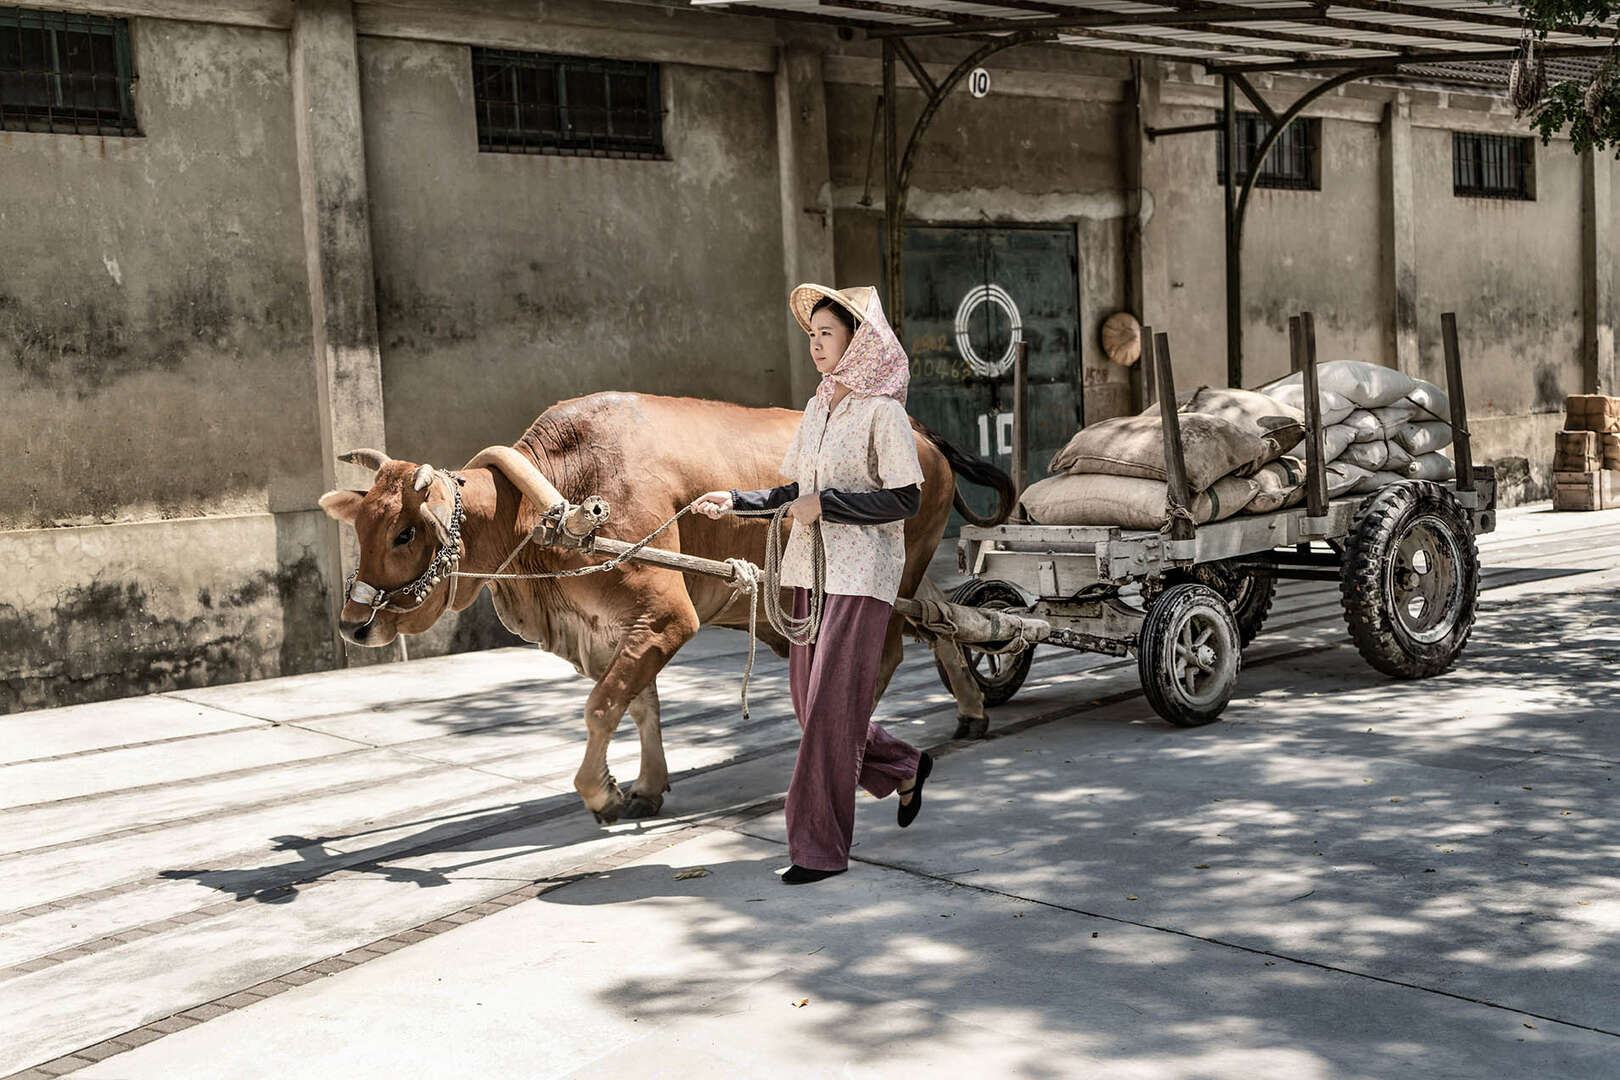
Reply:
x=1345, y=40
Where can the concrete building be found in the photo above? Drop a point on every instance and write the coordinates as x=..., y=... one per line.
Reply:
x=284, y=229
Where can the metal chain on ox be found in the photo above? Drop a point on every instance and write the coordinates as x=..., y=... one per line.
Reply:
x=746, y=577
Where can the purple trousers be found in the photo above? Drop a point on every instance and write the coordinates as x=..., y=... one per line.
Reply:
x=832, y=683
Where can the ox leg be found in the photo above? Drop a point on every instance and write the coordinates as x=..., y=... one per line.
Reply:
x=971, y=721
x=647, y=793
x=642, y=654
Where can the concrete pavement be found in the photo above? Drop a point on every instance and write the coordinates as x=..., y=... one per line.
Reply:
x=368, y=872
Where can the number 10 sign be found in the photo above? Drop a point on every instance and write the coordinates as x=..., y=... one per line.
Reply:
x=978, y=81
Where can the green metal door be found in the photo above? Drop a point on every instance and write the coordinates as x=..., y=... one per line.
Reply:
x=971, y=295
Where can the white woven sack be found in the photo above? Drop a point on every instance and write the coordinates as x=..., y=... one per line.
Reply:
x=1365, y=425
x=1374, y=481
x=1335, y=440
x=1130, y=502
x=1279, y=484
x=1431, y=467
x=1369, y=455
x=1342, y=477
x=1420, y=439
x=1430, y=402
x=1335, y=407
x=1367, y=386
x=1391, y=417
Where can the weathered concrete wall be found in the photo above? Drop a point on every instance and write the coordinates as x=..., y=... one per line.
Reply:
x=1042, y=148
x=154, y=321
x=102, y=611
x=155, y=364
x=507, y=282
x=1511, y=270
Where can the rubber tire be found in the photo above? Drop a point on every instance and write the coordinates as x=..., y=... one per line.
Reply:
x=1250, y=614
x=1154, y=651
x=989, y=593
x=1378, y=635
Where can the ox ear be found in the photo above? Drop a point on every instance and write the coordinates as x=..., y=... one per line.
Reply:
x=342, y=505
x=439, y=518
x=424, y=477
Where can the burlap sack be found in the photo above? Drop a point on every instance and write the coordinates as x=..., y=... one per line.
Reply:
x=1134, y=446
x=1248, y=409
x=1279, y=484
x=1130, y=502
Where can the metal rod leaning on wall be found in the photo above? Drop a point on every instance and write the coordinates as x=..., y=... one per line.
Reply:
x=1177, y=494
x=1234, y=247
x=1020, y=453
x=1302, y=340
x=1462, y=448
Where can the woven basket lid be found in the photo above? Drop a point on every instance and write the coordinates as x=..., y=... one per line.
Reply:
x=1122, y=338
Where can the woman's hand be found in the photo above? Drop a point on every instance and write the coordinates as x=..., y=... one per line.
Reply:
x=712, y=504
x=806, y=508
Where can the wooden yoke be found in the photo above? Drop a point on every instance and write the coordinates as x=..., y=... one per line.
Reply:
x=1177, y=495
x=1462, y=450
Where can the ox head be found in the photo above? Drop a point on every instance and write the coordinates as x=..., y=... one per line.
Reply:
x=408, y=527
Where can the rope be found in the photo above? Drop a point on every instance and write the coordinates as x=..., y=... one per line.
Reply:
x=745, y=577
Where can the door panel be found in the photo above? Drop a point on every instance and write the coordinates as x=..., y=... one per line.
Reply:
x=971, y=295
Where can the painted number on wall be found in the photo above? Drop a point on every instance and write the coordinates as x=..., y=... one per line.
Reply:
x=1002, y=423
x=978, y=82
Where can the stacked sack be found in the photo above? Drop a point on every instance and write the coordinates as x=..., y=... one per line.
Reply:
x=1379, y=426
x=1114, y=473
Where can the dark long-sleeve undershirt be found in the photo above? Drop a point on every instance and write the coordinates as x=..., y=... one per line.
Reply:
x=840, y=507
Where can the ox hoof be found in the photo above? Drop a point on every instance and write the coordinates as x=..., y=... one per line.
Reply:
x=969, y=728
x=613, y=809
x=643, y=806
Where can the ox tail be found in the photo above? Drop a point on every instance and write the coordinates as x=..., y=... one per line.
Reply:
x=974, y=471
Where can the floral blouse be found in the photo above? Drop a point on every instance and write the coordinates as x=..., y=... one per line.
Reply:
x=865, y=445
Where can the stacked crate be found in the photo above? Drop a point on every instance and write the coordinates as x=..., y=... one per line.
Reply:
x=1586, y=465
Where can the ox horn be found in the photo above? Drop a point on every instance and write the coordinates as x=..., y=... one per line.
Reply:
x=424, y=477
x=522, y=472
x=366, y=457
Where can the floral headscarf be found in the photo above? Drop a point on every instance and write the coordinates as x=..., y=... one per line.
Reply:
x=874, y=363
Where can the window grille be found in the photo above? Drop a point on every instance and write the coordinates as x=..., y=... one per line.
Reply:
x=1291, y=162
x=531, y=103
x=65, y=72
x=1492, y=166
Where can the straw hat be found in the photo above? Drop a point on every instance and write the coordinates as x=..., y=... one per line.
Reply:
x=853, y=300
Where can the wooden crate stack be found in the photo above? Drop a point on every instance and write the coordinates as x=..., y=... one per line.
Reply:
x=1586, y=465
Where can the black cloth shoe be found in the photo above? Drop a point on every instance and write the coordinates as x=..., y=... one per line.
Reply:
x=803, y=875
x=908, y=810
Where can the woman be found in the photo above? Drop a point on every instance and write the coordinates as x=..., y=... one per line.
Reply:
x=855, y=476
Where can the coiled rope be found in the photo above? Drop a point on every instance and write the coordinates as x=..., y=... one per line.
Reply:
x=746, y=578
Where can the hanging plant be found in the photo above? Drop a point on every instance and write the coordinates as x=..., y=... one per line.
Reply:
x=1527, y=78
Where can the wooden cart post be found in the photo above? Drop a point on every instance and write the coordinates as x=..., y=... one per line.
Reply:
x=1302, y=343
x=1175, y=460
x=1462, y=450
x=1020, y=453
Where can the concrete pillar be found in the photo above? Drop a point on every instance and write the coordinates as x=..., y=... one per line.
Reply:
x=337, y=251
x=1597, y=276
x=806, y=190
x=1399, y=242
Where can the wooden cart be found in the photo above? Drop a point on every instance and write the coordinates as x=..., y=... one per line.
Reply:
x=1186, y=600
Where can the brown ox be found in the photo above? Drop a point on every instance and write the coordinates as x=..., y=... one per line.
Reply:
x=648, y=456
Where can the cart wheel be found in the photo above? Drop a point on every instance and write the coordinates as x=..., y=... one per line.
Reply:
x=1188, y=654
x=999, y=675
x=1248, y=593
x=1411, y=580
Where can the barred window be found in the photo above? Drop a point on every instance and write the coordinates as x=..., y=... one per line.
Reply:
x=1292, y=161
x=65, y=72
x=1492, y=166
x=536, y=103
